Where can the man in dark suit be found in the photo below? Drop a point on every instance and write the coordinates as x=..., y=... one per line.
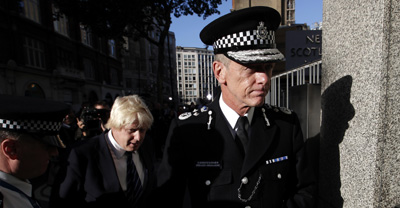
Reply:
x=239, y=152
x=110, y=170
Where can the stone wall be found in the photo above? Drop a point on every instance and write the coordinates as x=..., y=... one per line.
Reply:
x=360, y=139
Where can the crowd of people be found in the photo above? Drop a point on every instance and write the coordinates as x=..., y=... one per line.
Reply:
x=234, y=152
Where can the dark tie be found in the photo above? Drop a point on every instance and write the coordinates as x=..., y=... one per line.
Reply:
x=133, y=184
x=241, y=132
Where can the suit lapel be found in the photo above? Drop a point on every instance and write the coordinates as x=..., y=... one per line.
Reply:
x=261, y=138
x=106, y=165
x=146, y=161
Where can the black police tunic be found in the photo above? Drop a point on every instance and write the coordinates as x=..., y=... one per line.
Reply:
x=202, y=160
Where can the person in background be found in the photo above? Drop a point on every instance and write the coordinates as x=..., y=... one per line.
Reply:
x=103, y=109
x=115, y=168
x=28, y=140
x=69, y=128
x=92, y=120
x=238, y=152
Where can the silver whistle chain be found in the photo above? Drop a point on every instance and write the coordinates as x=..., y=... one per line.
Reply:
x=252, y=193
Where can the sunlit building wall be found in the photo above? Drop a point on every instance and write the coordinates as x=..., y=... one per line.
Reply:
x=285, y=7
x=195, y=78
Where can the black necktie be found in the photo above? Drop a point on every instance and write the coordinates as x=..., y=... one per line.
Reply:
x=133, y=184
x=241, y=132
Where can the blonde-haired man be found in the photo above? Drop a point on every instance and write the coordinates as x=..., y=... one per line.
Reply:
x=99, y=171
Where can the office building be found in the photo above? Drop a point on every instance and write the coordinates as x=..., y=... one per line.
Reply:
x=140, y=68
x=196, y=81
x=60, y=59
x=56, y=59
x=285, y=7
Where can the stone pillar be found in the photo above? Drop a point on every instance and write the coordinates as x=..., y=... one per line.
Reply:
x=360, y=128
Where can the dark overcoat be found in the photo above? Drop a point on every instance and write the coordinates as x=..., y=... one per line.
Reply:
x=202, y=160
x=91, y=179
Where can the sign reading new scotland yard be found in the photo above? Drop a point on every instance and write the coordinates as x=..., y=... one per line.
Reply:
x=302, y=47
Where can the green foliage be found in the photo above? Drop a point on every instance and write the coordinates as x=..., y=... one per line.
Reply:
x=203, y=8
x=116, y=18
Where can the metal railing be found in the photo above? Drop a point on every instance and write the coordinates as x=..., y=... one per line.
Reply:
x=281, y=83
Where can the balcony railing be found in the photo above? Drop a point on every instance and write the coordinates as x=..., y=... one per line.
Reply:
x=280, y=84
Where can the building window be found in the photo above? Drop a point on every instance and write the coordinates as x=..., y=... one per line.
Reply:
x=102, y=45
x=88, y=68
x=111, y=48
x=128, y=82
x=31, y=9
x=60, y=23
x=290, y=4
x=86, y=36
x=34, y=53
x=64, y=59
x=114, y=76
x=137, y=65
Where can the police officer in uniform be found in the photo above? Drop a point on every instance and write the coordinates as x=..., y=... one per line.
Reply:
x=28, y=139
x=238, y=152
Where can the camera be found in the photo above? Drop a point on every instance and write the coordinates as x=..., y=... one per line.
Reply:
x=92, y=119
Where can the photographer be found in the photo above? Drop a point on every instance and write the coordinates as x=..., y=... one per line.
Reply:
x=92, y=120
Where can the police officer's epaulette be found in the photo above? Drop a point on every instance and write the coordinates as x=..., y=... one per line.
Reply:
x=201, y=115
x=194, y=113
x=278, y=109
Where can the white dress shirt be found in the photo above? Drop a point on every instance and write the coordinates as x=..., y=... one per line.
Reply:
x=231, y=115
x=13, y=199
x=119, y=157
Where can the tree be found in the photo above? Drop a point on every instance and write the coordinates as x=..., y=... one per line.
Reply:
x=136, y=18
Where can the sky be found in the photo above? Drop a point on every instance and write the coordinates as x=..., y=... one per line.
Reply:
x=187, y=28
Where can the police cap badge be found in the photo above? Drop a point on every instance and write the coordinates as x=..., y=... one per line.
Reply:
x=245, y=36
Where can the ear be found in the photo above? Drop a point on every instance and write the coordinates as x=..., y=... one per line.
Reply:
x=219, y=71
x=9, y=148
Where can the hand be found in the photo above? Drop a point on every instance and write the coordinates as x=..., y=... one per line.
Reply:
x=81, y=125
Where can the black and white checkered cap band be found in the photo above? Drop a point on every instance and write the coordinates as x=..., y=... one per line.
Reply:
x=31, y=125
x=245, y=40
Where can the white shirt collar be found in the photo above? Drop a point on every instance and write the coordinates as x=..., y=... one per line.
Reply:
x=115, y=147
x=24, y=186
x=231, y=115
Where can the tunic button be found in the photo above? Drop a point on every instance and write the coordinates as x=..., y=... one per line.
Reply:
x=208, y=182
x=245, y=180
x=279, y=176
